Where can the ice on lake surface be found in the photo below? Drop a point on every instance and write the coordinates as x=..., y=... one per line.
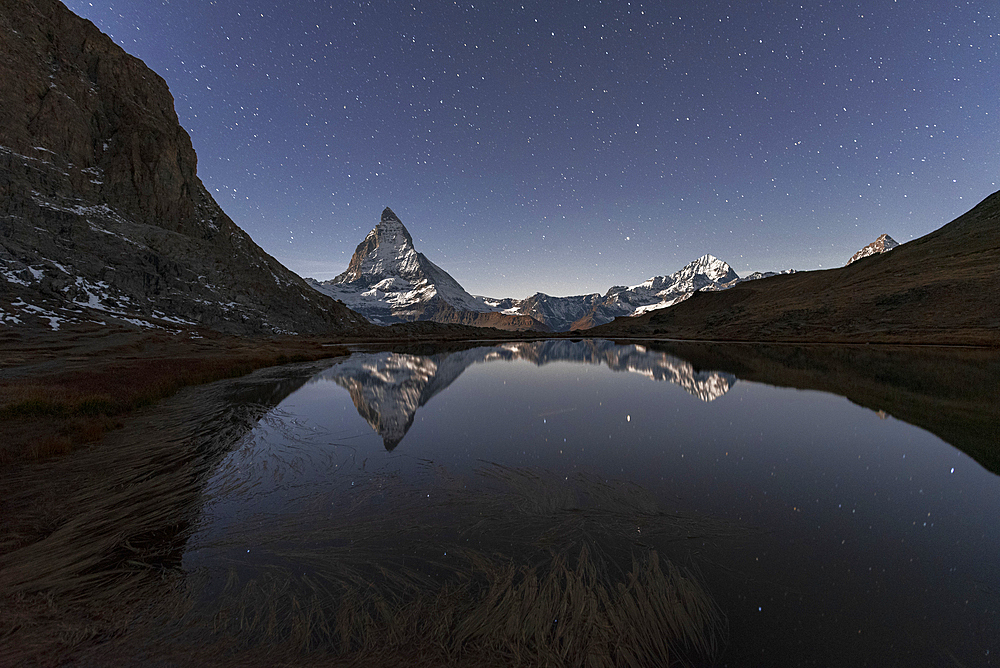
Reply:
x=785, y=526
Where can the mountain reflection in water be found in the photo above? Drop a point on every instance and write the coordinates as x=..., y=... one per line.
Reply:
x=387, y=388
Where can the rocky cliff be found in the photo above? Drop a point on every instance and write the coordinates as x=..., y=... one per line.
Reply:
x=101, y=208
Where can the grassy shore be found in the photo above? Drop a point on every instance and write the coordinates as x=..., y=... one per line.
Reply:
x=62, y=390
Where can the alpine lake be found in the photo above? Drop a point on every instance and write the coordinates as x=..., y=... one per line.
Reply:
x=559, y=502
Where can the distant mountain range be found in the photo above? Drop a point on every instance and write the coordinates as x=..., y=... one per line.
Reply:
x=943, y=288
x=388, y=281
x=388, y=388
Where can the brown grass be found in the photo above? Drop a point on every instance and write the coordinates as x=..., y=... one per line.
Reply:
x=523, y=568
x=55, y=411
x=562, y=612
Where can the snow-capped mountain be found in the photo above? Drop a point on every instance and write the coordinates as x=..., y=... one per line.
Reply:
x=883, y=244
x=388, y=388
x=388, y=281
x=584, y=311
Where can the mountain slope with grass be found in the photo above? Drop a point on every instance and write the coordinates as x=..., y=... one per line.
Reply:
x=102, y=214
x=943, y=288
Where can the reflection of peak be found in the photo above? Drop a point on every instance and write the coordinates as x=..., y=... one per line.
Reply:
x=388, y=388
x=706, y=385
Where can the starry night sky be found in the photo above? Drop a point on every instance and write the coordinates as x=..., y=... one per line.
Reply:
x=566, y=147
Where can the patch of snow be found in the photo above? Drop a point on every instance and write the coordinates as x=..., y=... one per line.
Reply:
x=9, y=319
x=43, y=313
x=174, y=319
x=57, y=266
x=139, y=323
x=12, y=277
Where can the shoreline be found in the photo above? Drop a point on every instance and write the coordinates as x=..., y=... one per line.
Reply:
x=63, y=390
x=88, y=541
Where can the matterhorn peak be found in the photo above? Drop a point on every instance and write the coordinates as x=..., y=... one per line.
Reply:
x=386, y=251
x=390, y=281
x=387, y=230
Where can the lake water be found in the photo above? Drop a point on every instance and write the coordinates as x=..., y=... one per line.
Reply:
x=805, y=528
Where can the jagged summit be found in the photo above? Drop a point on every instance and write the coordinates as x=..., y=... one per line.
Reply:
x=389, y=281
x=883, y=244
x=693, y=276
x=711, y=267
x=386, y=252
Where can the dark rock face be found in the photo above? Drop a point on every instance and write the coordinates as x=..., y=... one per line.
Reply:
x=100, y=203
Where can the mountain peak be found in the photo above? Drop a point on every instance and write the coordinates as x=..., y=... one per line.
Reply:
x=386, y=251
x=883, y=244
x=389, y=280
x=710, y=266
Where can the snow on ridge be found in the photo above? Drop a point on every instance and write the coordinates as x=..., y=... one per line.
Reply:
x=388, y=280
x=387, y=277
x=883, y=244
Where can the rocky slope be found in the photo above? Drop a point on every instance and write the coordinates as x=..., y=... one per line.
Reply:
x=883, y=244
x=388, y=281
x=941, y=288
x=102, y=214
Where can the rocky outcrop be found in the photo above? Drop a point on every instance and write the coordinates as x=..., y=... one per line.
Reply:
x=101, y=208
